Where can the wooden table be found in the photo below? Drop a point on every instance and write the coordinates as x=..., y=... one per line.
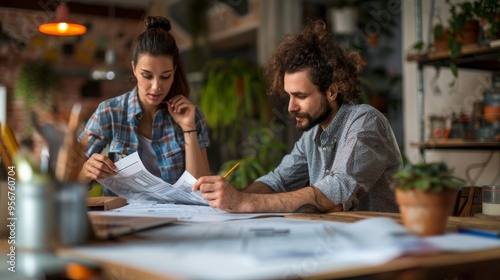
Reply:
x=460, y=144
x=452, y=225
x=484, y=264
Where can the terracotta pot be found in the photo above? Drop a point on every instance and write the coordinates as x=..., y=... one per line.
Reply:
x=425, y=213
x=469, y=33
x=441, y=43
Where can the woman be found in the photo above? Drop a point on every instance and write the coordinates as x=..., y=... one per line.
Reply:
x=155, y=118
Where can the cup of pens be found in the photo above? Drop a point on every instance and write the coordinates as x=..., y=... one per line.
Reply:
x=72, y=211
x=71, y=195
x=491, y=200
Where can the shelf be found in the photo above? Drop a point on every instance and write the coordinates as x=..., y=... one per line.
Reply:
x=228, y=29
x=472, y=57
x=238, y=36
x=458, y=144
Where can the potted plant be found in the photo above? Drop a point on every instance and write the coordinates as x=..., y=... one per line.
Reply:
x=233, y=97
x=426, y=193
x=440, y=37
x=488, y=11
x=463, y=29
x=440, y=34
x=344, y=16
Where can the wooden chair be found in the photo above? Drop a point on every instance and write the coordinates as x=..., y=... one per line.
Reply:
x=469, y=202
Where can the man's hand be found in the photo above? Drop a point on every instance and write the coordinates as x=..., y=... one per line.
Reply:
x=221, y=194
x=260, y=198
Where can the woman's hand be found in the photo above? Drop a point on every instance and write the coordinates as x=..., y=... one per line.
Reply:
x=96, y=167
x=183, y=111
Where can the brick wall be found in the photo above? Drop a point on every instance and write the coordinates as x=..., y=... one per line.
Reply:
x=71, y=68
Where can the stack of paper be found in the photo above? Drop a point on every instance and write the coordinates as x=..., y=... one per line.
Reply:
x=137, y=185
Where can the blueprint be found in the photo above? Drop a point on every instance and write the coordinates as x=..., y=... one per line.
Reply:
x=264, y=248
x=184, y=213
x=136, y=184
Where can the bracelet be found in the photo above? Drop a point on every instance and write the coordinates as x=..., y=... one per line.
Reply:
x=189, y=131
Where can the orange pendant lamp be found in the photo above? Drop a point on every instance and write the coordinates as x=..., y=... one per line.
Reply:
x=62, y=25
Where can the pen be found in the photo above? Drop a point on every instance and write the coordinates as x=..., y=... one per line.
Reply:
x=480, y=232
x=231, y=170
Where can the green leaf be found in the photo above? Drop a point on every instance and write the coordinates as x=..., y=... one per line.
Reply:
x=438, y=30
x=433, y=177
x=226, y=110
x=454, y=69
x=418, y=45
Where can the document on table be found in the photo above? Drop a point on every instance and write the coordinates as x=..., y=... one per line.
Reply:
x=271, y=248
x=136, y=184
x=184, y=213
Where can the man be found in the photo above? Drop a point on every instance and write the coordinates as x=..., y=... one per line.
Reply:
x=347, y=154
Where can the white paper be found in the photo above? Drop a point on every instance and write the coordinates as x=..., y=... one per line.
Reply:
x=184, y=213
x=271, y=248
x=136, y=184
x=459, y=242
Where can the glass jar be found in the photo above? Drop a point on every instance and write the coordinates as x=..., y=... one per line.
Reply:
x=491, y=104
x=438, y=127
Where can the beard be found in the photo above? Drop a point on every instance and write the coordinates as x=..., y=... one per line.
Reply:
x=311, y=120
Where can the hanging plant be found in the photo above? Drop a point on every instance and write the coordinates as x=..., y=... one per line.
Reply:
x=463, y=29
x=34, y=86
x=488, y=11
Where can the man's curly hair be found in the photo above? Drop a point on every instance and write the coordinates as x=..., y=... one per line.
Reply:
x=314, y=49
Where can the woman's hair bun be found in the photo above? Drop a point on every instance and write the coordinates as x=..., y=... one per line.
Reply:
x=153, y=22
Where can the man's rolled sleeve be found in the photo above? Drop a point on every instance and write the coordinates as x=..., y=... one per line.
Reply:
x=291, y=174
x=338, y=188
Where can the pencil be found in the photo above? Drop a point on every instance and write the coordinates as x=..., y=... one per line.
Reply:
x=231, y=170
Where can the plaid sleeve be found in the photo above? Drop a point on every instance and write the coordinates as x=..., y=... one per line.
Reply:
x=96, y=140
